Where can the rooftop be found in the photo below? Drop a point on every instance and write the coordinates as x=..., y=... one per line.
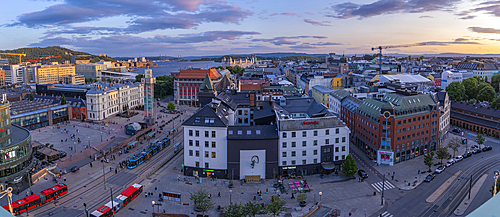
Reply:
x=476, y=108
x=198, y=73
x=322, y=89
x=404, y=78
x=301, y=105
x=19, y=134
x=252, y=132
x=211, y=115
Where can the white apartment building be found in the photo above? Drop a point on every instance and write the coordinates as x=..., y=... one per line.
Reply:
x=335, y=100
x=91, y=70
x=14, y=74
x=107, y=99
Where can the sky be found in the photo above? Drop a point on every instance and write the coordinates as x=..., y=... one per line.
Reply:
x=205, y=27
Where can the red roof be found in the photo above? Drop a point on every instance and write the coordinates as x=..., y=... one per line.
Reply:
x=198, y=73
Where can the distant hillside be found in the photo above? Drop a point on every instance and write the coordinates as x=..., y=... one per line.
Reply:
x=33, y=54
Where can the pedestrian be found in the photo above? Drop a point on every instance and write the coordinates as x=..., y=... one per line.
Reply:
x=218, y=194
x=267, y=191
x=293, y=196
x=418, y=172
x=254, y=197
x=116, y=171
x=392, y=178
x=260, y=197
x=393, y=173
x=209, y=196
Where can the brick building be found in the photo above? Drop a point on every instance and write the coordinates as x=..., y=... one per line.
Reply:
x=188, y=81
x=476, y=117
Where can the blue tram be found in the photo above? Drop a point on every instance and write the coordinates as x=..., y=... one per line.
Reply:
x=146, y=154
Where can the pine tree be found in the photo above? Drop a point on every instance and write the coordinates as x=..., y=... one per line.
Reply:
x=349, y=167
x=63, y=100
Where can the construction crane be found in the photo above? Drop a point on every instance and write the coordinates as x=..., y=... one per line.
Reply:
x=380, y=48
x=47, y=57
x=15, y=54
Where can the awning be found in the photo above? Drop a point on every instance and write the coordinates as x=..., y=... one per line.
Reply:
x=132, y=143
x=151, y=134
x=329, y=166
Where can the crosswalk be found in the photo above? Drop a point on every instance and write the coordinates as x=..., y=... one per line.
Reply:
x=387, y=214
x=378, y=186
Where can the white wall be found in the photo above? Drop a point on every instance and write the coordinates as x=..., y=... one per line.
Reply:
x=246, y=163
x=220, y=160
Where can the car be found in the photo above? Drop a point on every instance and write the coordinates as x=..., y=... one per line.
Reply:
x=429, y=177
x=474, y=151
x=467, y=154
x=456, y=130
x=448, y=164
x=478, y=150
x=440, y=169
x=74, y=169
x=487, y=148
x=362, y=174
x=451, y=161
x=458, y=158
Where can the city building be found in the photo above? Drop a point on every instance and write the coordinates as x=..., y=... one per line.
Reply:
x=188, y=81
x=335, y=100
x=481, y=69
x=13, y=74
x=36, y=114
x=76, y=91
x=311, y=139
x=91, y=70
x=238, y=62
x=339, y=65
x=444, y=110
x=45, y=74
x=2, y=77
x=76, y=106
x=448, y=77
x=322, y=94
x=73, y=79
x=404, y=79
x=106, y=99
x=149, y=95
x=401, y=126
x=477, y=117
x=348, y=112
x=15, y=146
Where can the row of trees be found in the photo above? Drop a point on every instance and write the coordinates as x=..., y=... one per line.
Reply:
x=475, y=89
x=164, y=85
x=442, y=151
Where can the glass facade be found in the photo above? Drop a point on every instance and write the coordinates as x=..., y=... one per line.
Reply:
x=38, y=119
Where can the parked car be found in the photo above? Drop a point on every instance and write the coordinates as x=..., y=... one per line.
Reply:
x=487, y=148
x=440, y=169
x=362, y=174
x=478, y=150
x=474, y=151
x=74, y=169
x=467, y=154
x=429, y=177
x=451, y=161
x=456, y=130
x=458, y=158
x=448, y=164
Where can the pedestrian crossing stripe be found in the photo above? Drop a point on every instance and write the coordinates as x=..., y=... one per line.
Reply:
x=378, y=186
x=387, y=214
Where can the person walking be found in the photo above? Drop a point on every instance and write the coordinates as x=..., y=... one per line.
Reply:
x=218, y=194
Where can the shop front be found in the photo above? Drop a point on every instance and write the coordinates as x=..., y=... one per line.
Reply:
x=385, y=157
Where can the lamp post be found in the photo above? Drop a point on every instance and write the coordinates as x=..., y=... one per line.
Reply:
x=101, y=136
x=103, y=174
x=320, y=193
x=230, y=194
x=86, y=210
x=89, y=142
x=74, y=145
x=497, y=174
x=153, y=205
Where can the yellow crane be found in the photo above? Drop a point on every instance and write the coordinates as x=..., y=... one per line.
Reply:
x=8, y=192
x=15, y=54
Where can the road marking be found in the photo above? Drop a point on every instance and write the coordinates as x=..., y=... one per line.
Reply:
x=434, y=196
x=387, y=214
x=378, y=186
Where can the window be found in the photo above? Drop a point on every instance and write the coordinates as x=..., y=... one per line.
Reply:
x=246, y=112
x=315, y=160
x=337, y=131
x=304, y=133
x=197, y=153
x=304, y=143
x=336, y=140
x=315, y=133
x=343, y=148
x=213, y=144
x=409, y=120
x=326, y=150
x=327, y=141
x=293, y=153
x=213, y=134
x=303, y=161
x=197, y=143
x=197, y=133
x=257, y=132
x=240, y=112
x=284, y=163
x=284, y=135
x=190, y=142
x=315, y=142
x=293, y=134
x=284, y=144
x=399, y=122
x=293, y=162
x=190, y=132
x=327, y=132
x=404, y=122
x=206, y=133
x=404, y=137
x=284, y=154
x=293, y=144
x=343, y=139
x=399, y=138
x=206, y=165
x=304, y=153
x=230, y=132
x=206, y=154
x=240, y=132
x=190, y=152
x=343, y=157
x=206, y=144
x=336, y=149
x=213, y=154
x=197, y=164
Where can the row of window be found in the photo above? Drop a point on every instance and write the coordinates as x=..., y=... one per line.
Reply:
x=315, y=152
x=413, y=135
x=315, y=133
x=197, y=144
x=315, y=142
x=414, y=119
x=315, y=160
x=410, y=145
x=197, y=153
x=197, y=133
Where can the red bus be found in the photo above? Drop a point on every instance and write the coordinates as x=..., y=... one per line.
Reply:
x=24, y=204
x=131, y=193
x=104, y=211
x=54, y=192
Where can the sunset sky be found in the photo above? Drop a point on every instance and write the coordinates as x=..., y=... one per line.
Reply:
x=203, y=27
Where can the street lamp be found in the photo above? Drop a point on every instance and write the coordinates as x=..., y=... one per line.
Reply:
x=86, y=210
x=89, y=142
x=497, y=174
x=230, y=194
x=101, y=136
x=74, y=145
x=320, y=193
x=103, y=174
x=153, y=205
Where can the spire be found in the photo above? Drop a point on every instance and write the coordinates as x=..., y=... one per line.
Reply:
x=207, y=85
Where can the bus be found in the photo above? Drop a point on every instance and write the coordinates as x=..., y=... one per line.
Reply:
x=50, y=194
x=103, y=211
x=120, y=201
x=25, y=204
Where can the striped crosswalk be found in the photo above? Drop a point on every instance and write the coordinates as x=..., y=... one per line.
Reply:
x=387, y=214
x=378, y=186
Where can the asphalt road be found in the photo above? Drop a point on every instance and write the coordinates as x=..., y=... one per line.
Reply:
x=413, y=202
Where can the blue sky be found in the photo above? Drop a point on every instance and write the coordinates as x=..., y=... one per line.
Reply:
x=205, y=27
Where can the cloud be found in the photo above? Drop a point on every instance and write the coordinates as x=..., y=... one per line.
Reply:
x=327, y=43
x=348, y=10
x=446, y=43
x=310, y=13
x=145, y=15
x=426, y=17
x=284, y=14
x=303, y=46
x=286, y=40
x=489, y=7
x=483, y=30
x=467, y=17
x=322, y=23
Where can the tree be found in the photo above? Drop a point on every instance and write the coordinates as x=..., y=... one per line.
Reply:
x=109, y=80
x=454, y=144
x=480, y=139
x=349, y=167
x=234, y=210
x=470, y=85
x=201, y=200
x=138, y=77
x=428, y=160
x=170, y=106
x=253, y=209
x=32, y=97
x=276, y=207
x=301, y=198
x=486, y=79
x=495, y=103
x=472, y=101
x=486, y=94
x=456, y=91
x=442, y=153
x=480, y=86
x=63, y=100
x=495, y=81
